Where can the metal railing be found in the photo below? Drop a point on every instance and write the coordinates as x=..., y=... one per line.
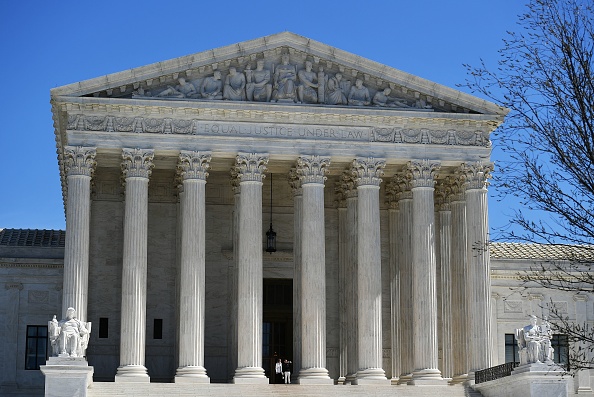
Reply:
x=499, y=371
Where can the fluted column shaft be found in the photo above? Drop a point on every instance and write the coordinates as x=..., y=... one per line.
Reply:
x=79, y=165
x=459, y=299
x=478, y=277
x=343, y=279
x=394, y=225
x=424, y=276
x=192, y=168
x=232, y=298
x=250, y=168
x=445, y=242
x=137, y=166
x=295, y=184
x=405, y=266
x=311, y=170
x=369, y=272
x=351, y=285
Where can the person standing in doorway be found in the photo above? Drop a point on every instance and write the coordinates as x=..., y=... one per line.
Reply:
x=278, y=369
x=287, y=370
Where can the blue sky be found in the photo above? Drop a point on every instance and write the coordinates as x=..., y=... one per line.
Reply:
x=47, y=44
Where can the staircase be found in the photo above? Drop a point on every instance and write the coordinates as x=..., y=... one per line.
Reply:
x=112, y=389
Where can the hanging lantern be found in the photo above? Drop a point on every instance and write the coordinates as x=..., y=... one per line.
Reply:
x=270, y=234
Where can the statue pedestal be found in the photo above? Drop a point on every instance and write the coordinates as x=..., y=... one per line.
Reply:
x=529, y=380
x=67, y=376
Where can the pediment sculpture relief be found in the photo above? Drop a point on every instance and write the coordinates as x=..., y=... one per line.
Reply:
x=285, y=82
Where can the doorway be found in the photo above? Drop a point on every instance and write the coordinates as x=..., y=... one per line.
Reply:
x=277, y=327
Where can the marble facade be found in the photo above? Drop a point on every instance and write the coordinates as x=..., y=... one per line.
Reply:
x=379, y=203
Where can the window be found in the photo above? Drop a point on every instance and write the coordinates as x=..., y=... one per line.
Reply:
x=36, y=353
x=158, y=328
x=103, y=327
x=560, y=344
x=511, y=349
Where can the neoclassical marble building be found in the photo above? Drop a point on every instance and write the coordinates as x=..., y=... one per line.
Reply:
x=374, y=180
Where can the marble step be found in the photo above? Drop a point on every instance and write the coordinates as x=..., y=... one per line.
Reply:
x=112, y=389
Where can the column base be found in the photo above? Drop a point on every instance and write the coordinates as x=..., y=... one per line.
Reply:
x=371, y=376
x=314, y=376
x=67, y=376
x=191, y=374
x=459, y=379
x=350, y=378
x=404, y=379
x=341, y=380
x=250, y=376
x=394, y=381
x=427, y=377
x=132, y=373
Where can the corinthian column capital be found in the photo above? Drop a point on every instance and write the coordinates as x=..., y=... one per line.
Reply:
x=476, y=174
x=193, y=165
x=443, y=195
x=137, y=162
x=312, y=169
x=251, y=166
x=295, y=182
x=368, y=171
x=423, y=172
x=79, y=160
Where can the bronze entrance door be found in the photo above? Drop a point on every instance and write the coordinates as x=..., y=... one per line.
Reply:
x=277, y=329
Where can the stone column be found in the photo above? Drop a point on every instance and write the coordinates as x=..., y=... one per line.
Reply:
x=583, y=385
x=368, y=174
x=343, y=280
x=193, y=170
x=136, y=166
x=392, y=194
x=311, y=170
x=424, y=274
x=405, y=265
x=442, y=193
x=232, y=298
x=295, y=184
x=478, y=281
x=79, y=165
x=351, y=292
x=250, y=168
x=459, y=270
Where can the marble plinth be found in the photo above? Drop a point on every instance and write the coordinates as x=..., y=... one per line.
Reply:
x=67, y=376
x=530, y=380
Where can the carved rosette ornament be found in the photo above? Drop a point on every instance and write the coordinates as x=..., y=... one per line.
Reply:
x=476, y=174
x=251, y=166
x=79, y=160
x=193, y=165
x=312, y=169
x=295, y=182
x=137, y=163
x=423, y=172
x=368, y=171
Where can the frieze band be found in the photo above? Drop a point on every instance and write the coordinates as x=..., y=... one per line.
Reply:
x=198, y=127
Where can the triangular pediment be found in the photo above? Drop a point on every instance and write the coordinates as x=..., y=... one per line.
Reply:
x=203, y=76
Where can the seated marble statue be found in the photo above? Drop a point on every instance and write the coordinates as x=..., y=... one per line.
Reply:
x=212, y=87
x=359, y=94
x=183, y=90
x=69, y=337
x=534, y=343
x=308, y=90
x=382, y=99
x=258, y=87
x=334, y=91
x=234, y=89
x=285, y=75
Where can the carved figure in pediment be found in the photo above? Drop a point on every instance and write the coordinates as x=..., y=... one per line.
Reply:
x=258, y=87
x=321, y=85
x=183, y=90
x=234, y=89
x=285, y=75
x=308, y=89
x=334, y=93
x=212, y=87
x=382, y=99
x=422, y=104
x=359, y=94
x=140, y=92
